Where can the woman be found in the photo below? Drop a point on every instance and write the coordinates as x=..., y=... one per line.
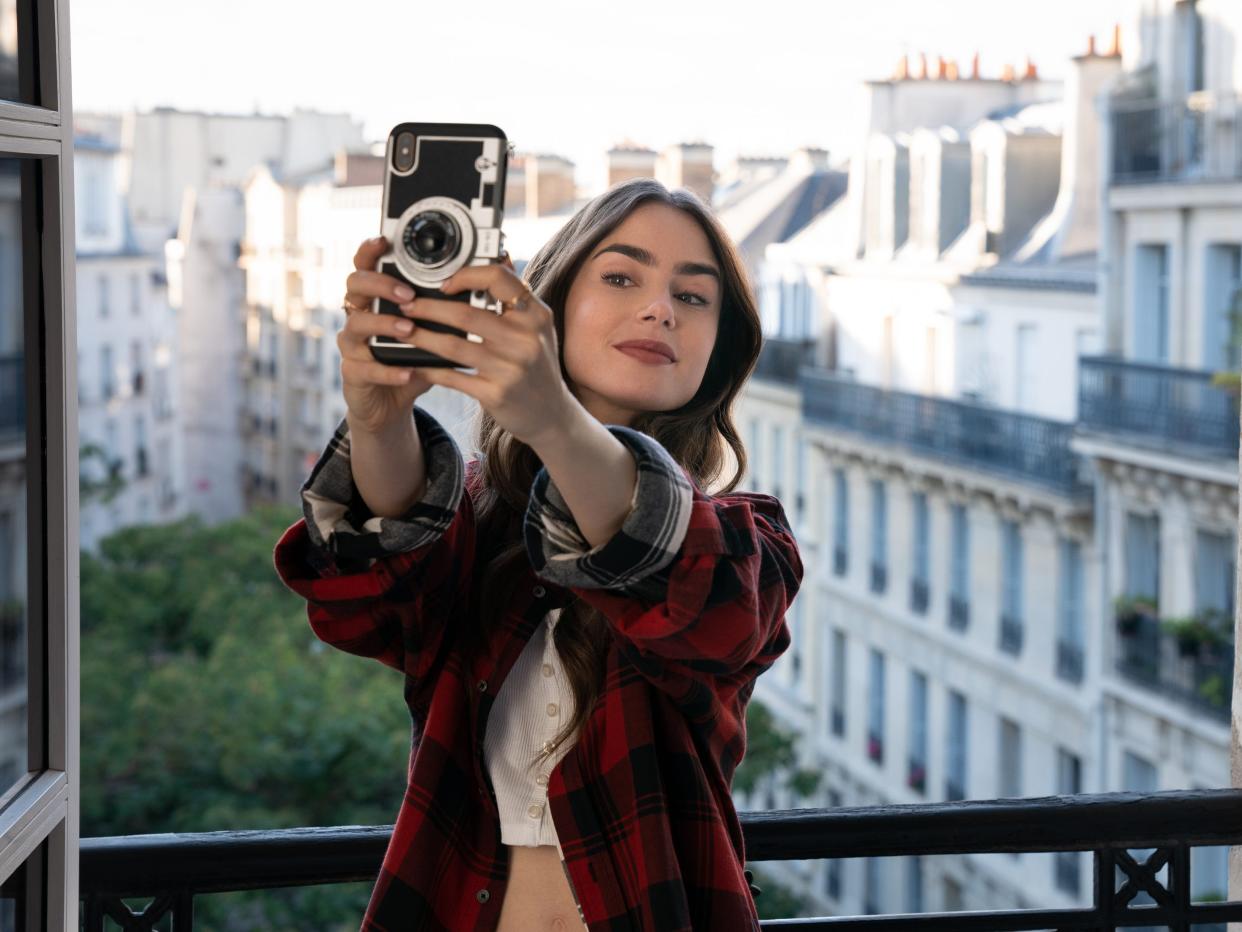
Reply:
x=579, y=623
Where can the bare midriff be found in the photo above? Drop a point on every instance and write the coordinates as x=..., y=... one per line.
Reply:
x=538, y=896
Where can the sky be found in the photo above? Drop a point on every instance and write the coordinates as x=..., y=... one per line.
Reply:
x=574, y=78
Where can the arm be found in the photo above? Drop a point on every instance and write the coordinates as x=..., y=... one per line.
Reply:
x=696, y=586
x=376, y=586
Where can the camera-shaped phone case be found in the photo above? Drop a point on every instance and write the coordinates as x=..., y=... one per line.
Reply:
x=444, y=194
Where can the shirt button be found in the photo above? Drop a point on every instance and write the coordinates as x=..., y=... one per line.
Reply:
x=539, y=592
x=534, y=811
x=551, y=708
x=547, y=669
x=542, y=779
x=482, y=896
x=482, y=686
x=547, y=747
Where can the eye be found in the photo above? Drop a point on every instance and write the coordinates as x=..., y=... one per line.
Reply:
x=607, y=275
x=697, y=299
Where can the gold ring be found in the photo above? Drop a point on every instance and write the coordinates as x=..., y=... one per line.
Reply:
x=347, y=307
x=520, y=303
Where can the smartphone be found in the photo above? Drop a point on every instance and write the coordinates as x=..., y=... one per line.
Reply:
x=443, y=204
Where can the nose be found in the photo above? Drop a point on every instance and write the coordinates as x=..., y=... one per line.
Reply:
x=661, y=308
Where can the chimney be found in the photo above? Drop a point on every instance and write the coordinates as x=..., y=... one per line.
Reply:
x=1007, y=73
x=1029, y=72
x=549, y=184
x=903, y=68
x=627, y=160
x=952, y=73
x=1091, y=44
x=515, y=183
x=688, y=165
x=974, y=67
x=1114, y=50
x=350, y=169
x=921, y=74
x=942, y=68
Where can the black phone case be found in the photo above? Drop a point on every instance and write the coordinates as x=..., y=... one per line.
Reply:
x=445, y=169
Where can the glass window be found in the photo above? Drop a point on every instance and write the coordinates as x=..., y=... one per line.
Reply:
x=922, y=532
x=916, y=777
x=1011, y=583
x=1069, y=783
x=875, y=709
x=1214, y=572
x=955, y=780
x=14, y=624
x=879, y=536
x=1010, y=760
x=841, y=525
x=12, y=51
x=778, y=459
x=1070, y=639
x=1142, y=555
x=837, y=683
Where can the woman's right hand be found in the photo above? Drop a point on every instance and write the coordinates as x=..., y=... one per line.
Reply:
x=378, y=395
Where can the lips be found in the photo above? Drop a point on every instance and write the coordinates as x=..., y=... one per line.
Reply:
x=651, y=346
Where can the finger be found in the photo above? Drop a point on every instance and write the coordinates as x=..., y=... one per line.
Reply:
x=490, y=326
x=500, y=280
x=458, y=349
x=369, y=252
x=377, y=285
x=473, y=385
x=507, y=261
x=360, y=327
x=370, y=372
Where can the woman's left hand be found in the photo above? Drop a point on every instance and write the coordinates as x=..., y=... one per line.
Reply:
x=518, y=380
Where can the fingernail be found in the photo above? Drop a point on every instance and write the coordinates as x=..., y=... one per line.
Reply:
x=403, y=292
x=405, y=326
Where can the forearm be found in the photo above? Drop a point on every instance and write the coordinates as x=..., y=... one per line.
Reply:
x=388, y=468
x=595, y=474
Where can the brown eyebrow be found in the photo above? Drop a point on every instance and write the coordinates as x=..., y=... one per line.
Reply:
x=638, y=254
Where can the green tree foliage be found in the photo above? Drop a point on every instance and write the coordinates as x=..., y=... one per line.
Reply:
x=208, y=704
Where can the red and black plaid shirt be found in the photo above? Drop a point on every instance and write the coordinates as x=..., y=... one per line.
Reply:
x=695, y=588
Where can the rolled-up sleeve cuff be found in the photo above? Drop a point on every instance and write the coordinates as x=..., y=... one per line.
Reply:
x=634, y=559
x=345, y=535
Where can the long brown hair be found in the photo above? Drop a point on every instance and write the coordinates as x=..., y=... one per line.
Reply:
x=695, y=434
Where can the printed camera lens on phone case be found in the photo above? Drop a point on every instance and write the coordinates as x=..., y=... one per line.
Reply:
x=431, y=238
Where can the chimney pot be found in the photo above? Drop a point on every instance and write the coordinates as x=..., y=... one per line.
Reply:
x=1091, y=44
x=903, y=68
x=952, y=71
x=974, y=67
x=942, y=68
x=1007, y=73
x=1114, y=50
x=922, y=72
x=1030, y=73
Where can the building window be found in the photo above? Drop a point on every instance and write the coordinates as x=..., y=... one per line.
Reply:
x=871, y=886
x=1222, y=290
x=1150, y=319
x=778, y=459
x=832, y=866
x=1011, y=586
x=105, y=295
x=841, y=523
x=1069, y=783
x=1070, y=639
x=875, y=709
x=135, y=293
x=879, y=537
x=1010, y=777
x=914, y=884
x=916, y=771
x=837, y=684
x=959, y=569
x=1214, y=573
x=800, y=481
x=106, y=373
x=1142, y=556
x=754, y=452
x=920, y=585
x=955, y=780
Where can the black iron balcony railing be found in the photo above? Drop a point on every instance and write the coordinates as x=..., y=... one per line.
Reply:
x=1069, y=661
x=12, y=395
x=959, y=613
x=1199, y=676
x=1019, y=446
x=920, y=596
x=1158, y=405
x=1010, y=635
x=1196, y=138
x=171, y=870
x=779, y=360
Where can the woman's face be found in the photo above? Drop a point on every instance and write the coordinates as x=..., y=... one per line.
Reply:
x=652, y=278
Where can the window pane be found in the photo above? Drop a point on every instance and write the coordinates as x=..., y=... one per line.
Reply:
x=10, y=86
x=13, y=627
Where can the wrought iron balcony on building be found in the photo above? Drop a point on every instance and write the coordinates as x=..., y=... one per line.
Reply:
x=779, y=360
x=1018, y=446
x=1195, y=138
x=1196, y=673
x=170, y=870
x=1154, y=405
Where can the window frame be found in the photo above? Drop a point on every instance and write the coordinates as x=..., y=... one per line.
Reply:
x=39, y=815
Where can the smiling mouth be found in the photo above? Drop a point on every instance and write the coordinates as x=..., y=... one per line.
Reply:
x=645, y=355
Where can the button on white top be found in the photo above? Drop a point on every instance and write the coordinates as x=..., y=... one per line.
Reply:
x=518, y=725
